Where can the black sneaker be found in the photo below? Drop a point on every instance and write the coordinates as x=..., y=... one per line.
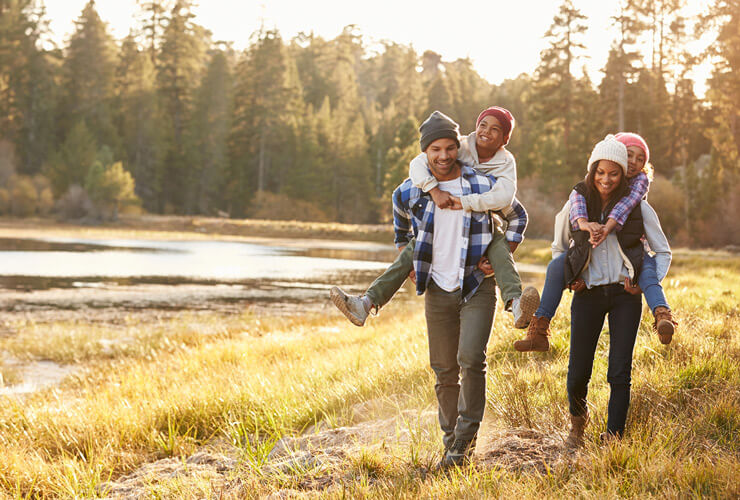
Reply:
x=459, y=453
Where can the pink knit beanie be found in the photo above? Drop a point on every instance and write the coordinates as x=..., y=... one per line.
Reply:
x=630, y=139
x=504, y=117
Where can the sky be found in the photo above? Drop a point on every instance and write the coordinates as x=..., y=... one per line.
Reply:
x=503, y=39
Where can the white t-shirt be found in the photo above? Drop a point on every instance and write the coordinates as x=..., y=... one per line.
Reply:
x=447, y=242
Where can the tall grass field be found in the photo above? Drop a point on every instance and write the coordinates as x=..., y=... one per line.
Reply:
x=193, y=406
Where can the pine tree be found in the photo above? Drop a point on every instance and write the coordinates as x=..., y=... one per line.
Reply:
x=181, y=62
x=139, y=120
x=89, y=72
x=211, y=124
x=28, y=92
x=556, y=101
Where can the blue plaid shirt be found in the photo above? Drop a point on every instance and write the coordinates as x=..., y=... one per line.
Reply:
x=413, y=215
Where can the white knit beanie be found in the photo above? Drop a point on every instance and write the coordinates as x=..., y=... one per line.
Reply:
x=609, y=149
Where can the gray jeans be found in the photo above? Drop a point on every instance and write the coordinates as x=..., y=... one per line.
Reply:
x=458, y=337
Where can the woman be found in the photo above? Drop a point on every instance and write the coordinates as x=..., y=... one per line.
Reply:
x=603, y=274
x=639, y=177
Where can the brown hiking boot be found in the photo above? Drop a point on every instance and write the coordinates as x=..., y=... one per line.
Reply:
x=664, y=324
x=577, y=428
x=537, y=336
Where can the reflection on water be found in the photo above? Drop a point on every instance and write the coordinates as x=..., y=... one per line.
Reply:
x=32, y=262
x=77, y=274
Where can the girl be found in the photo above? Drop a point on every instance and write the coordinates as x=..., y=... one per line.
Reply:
x=639, y=175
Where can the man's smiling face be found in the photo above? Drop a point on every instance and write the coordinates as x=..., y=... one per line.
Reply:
x=442, y=159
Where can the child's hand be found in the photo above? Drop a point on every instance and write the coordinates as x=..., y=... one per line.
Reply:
x=598, y=236
x=485, y=265
x=412, y=276
x=629, y=288
x=441, y=198
x=513, y=245
x=455, y=203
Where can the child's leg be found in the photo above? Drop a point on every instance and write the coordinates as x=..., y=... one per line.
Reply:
x=387, y=284
x=507, y=277
x=552, y=292
x=539, y=328
x=651, y=287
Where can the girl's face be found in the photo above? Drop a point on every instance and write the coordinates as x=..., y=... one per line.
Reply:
x=607, y=177
x=635, y=160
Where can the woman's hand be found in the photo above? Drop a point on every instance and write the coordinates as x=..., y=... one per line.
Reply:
x=631, y=289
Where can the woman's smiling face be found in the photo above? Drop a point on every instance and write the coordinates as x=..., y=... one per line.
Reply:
x=607, y=177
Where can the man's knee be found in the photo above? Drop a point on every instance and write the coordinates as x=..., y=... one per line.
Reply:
x=470, y=359
x=447, y=375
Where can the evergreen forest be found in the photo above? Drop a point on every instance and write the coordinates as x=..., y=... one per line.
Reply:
x=169, y=120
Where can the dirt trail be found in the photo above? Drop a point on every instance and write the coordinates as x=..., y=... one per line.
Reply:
x=318, y=458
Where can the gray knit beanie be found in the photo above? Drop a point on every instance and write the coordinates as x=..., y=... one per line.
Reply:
x=609, y=149
x=438, y=126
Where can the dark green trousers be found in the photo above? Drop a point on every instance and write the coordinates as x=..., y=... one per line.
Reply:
x=381, y=291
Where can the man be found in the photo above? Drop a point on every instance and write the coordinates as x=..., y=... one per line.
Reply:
x=459, y=301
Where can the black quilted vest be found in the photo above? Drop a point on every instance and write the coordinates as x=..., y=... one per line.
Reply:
x=579, y=253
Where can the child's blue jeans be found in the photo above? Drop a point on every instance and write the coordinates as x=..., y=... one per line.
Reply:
x=552, y=292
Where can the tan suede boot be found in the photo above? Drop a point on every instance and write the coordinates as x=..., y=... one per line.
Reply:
x=664, y=324
x=537, y=336
x=577, y=428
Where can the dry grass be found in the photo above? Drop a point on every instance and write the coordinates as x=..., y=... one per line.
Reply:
x=167, y=389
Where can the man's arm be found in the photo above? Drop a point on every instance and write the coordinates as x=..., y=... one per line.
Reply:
x=401, y=220
x=561, y=238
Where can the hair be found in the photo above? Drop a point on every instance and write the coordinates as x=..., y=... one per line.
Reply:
x=621, y=190
x=649, y=171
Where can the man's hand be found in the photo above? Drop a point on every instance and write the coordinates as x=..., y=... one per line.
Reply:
x=412, y=276
x=485, y=265
x=578, y=285
x=441, y=198
x=630, y=288
x=513, y=245
x=455, y=203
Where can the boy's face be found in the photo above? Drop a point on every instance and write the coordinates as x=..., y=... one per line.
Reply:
x=489, y=134
x=635, y=160
x=442, y=158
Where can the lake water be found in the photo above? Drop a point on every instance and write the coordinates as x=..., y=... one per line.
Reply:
x=73, y=274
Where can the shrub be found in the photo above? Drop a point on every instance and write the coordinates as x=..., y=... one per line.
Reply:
x=274, y=206
x=23, y=197
x=4, y=201
x=74, y=204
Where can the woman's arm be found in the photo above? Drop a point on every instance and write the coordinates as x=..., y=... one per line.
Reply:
x=656, y=239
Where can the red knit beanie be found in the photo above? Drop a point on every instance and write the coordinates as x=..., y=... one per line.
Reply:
x=630, y=139
x=504, y=117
